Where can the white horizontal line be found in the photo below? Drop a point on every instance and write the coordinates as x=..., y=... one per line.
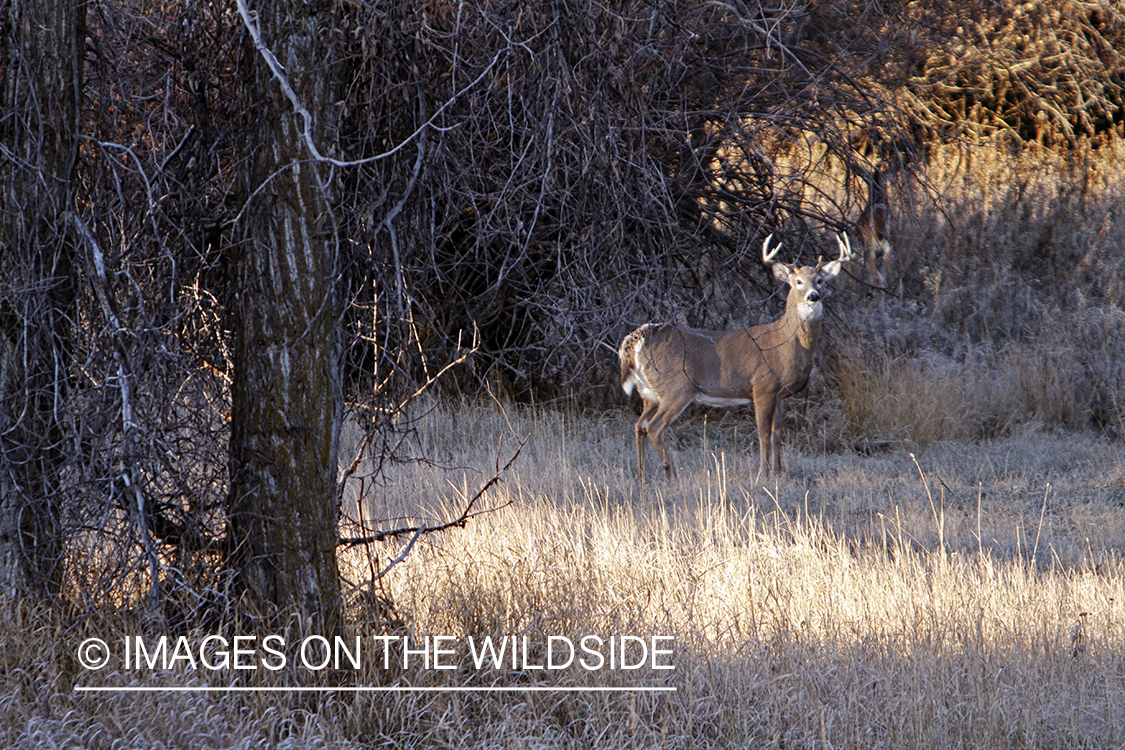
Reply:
x=367, y=689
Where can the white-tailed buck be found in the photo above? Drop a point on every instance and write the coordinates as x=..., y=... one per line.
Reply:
x=672, y=367
x=873, y=230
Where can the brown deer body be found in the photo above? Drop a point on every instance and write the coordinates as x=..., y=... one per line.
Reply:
x=673, y=367
x=874, y=223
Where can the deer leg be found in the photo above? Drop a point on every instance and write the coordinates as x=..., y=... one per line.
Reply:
x=775, y=437
x=667, y=413
x=888, y=251
x=871, y=256
x=765, y=405
x=885, y=274
x=888, y=260
x=641, y=429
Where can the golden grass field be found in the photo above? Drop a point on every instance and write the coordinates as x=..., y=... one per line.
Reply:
x=819, y=611
x=968, y=595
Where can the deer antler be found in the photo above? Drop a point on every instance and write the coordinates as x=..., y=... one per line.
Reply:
x=767, y=259
x=845, y=248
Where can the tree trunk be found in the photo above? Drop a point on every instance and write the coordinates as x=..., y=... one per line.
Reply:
x=287, y=391
x=40, y=85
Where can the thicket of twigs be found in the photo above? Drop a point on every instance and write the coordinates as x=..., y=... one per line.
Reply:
x=594, y=166
x=1044, y=71
x=546, y=176
x=591, y=165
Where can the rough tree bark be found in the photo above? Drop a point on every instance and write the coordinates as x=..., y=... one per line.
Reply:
x=287, y=391
x=40, y=85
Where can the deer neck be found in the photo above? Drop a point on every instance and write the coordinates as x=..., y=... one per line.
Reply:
x=805, y=330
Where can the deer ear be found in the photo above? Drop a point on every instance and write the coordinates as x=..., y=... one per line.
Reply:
x=782, y=272
x=831, y=269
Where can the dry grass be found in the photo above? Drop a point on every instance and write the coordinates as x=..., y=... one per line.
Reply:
x=980, y=392
x=1007, y=308
x=971, y=596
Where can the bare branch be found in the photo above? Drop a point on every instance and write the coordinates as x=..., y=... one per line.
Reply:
x=468, y=512
x=250, y=20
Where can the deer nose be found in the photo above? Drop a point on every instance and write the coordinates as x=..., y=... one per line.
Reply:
x=813, y=296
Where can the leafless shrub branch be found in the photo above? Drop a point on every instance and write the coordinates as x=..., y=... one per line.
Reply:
x=1046, y=71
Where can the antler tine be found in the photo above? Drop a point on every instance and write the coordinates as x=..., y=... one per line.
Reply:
x=767, y=259
x=845, y=248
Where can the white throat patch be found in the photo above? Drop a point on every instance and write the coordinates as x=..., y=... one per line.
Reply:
x=810, y=310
